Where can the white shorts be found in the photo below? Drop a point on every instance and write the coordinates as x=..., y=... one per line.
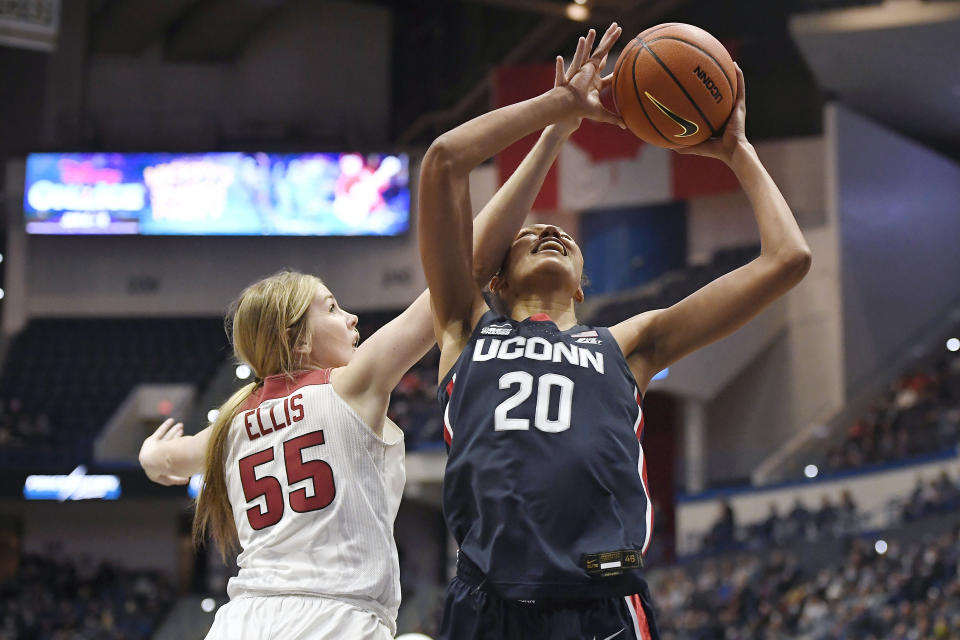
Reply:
x=295, y=618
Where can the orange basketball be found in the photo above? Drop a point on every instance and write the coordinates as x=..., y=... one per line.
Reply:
x=674, y=85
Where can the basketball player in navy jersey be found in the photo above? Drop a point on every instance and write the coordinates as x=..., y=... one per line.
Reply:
x=545, y=487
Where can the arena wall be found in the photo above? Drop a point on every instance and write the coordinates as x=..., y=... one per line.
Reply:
x=135, y=534
x=796, y=380
x=899, y=228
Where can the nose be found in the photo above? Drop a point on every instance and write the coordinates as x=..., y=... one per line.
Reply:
x=550, y=231
x=351, y=320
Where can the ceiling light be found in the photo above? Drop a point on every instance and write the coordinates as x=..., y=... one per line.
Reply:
x=578, y=12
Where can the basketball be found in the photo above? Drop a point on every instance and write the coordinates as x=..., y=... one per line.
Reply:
x=675, y=85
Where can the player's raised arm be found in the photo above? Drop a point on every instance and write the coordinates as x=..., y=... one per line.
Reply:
x=446, y=237
x=657, y=338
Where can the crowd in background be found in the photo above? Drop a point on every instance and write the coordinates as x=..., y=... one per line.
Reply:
x=918, y=414
x=830, y=519
x=910, y=592
x=940, y=495
x=414, y=406
x=20, y=428
x=51, y=597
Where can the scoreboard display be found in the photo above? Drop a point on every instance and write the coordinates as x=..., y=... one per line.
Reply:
x=239, y=194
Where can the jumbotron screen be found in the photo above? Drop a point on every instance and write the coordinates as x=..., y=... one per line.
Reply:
x=230, y=194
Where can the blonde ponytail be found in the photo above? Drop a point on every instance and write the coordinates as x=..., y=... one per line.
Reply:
x=213, y=516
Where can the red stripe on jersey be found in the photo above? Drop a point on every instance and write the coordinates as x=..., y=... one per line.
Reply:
x=643, y=468
x=281, y=385
x=652, y=513
x=541, y=317
x=447, y=427
x=639, y=400
x=643, y=627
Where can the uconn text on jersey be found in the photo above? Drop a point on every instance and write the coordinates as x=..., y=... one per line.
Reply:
x=536, y=348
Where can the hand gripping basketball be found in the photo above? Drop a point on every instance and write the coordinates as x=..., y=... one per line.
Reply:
x=583, y=80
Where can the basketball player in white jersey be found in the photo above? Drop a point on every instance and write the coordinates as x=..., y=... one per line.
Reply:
x=304, y=472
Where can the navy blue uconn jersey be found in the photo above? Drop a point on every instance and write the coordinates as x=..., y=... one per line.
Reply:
x=545, y=485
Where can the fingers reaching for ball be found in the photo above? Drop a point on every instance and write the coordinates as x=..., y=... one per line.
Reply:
x=583, y=77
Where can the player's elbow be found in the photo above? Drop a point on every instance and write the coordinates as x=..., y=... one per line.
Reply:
x=794, y=263
x=442, y=158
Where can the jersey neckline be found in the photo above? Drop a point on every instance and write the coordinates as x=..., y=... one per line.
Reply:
x=280, y=385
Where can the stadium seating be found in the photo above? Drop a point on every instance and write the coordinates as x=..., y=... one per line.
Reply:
x=918, y=414
x=860, y=587
x=64, y=377
x=671, y=287
x=52, y=597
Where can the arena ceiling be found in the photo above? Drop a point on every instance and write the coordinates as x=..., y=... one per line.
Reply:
x=892, y=60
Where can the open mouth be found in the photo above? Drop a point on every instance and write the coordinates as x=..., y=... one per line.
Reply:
x=356, y=341
x=549, y=244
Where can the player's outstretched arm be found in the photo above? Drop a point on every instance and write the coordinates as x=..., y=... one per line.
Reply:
x=169, y=457
x=655, y=339
x=446, y=235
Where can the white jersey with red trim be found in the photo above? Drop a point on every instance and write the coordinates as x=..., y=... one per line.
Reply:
x=314, y=493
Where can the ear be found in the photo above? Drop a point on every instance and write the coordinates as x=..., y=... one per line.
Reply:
x=578, y=296
x=303, y=348
x=497, y=284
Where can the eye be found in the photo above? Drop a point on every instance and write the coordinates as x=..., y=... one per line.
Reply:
x=333, y=307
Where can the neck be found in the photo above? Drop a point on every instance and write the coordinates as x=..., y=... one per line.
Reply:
x=561, y=311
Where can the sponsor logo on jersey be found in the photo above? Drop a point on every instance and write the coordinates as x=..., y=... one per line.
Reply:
x=504, y=329
x=536, y=348
x=589, y=340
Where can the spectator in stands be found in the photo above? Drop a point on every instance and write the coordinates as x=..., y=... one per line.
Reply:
x=798, y=520
x=825, y=519
x=770, y=530
x=922, y=500
x=946, y=494
x=723, y=533
x=848, y=515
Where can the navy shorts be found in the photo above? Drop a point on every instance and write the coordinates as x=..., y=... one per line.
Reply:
x=472, y=613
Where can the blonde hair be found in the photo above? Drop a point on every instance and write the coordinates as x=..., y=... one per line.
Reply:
x=267, y=323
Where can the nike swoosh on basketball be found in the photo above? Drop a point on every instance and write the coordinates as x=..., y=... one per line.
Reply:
x=689, y=128
x=613, y=636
